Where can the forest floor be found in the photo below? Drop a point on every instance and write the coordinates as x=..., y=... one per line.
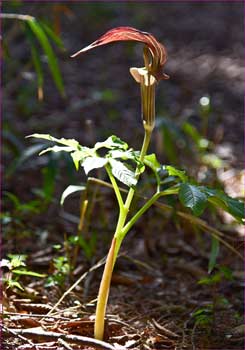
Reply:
x=156, y=299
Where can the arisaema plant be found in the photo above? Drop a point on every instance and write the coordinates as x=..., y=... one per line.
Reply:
x=126, y=165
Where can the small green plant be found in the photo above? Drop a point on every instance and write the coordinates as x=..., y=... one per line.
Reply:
x=127, y=165
x=206, y=316
x=62, y=269
x=16, y=267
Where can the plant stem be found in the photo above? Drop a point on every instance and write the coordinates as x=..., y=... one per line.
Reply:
x=147, y=138
x=115, y=187
x=148, y=116
x=145, y=207
x=115, y=245
x=104, y=293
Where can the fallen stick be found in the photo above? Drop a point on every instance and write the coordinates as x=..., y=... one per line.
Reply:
x=41, y=334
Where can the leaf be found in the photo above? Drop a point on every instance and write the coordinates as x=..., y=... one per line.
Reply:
x=157, y=50
x=113, y=142
x=67, y=142
x=151, y=161
x=70, y=190
x=77, y=156
x=17, y=260
x=176, y=172
x=28, y=273
x=122, y=173
x=213, y=254
x=124, y=155
x=52, y=61
x=91, y=163
x=192, y=197
x=12, y=284
x=233, y=206
x=57, y=149
x=56, y=39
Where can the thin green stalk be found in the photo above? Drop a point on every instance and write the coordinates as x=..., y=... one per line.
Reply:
x=145, y=207
x=148, y=116
x=115, y=245
x=115, y=187
x=147, y=138
x=104, y=293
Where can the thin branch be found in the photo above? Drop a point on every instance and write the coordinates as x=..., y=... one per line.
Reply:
x=17, y=16
x=40, y=333
x=16, y=334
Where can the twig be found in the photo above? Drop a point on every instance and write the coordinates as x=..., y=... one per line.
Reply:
x=40, y=333
x=17, y=316
x=164, y=330
x=16, y=334
x=17, y=16
x=111, y=319
x=193, y=336
x=64, y=344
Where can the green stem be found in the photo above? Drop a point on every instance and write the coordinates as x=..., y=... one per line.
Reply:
x=148, y=114
x=115, y=245
x=103, y=294
x=147, y=138
x=145, y=207
x=115, y=187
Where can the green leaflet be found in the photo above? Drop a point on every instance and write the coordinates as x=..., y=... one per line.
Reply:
x=56, y=39
x=233, y=206
x=196, y=198
x=164, y=174
x=172, y=171
x=67, y=142
x=124, y=155
x=56, y=149
x=70, y=190
x=192, y=197
x=151, y=161
x=112, y=142
x=122, y=173
x=77, y=156
x=91, y=163
x=29, y=273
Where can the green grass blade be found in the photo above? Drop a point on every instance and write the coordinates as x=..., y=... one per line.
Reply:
x=57, y=40
x=52, y=61
x=36, y=60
